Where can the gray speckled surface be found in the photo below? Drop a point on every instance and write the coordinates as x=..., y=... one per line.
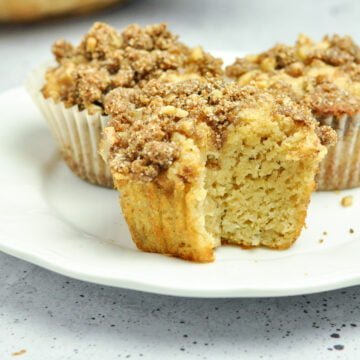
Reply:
x=54, y=317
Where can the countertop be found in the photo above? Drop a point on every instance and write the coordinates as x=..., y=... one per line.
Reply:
x=44, y=315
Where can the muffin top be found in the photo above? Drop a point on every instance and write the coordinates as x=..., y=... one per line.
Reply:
x=325, y=74
x=106, y=59
x=141, y=140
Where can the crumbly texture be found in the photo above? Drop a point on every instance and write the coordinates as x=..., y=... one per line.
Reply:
x=106, y=59
x=145, y=121
x=206, y=162
x=326, y=74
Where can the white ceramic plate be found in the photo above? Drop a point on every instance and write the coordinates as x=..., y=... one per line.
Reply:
x=51, y=218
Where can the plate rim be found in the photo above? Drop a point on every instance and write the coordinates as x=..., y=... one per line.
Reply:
x=177, y=291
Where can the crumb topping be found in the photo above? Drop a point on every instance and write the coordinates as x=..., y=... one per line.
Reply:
x=141, y=132
x=327, y=73
x=328, y=99
x=106, y=59
x=326, y=135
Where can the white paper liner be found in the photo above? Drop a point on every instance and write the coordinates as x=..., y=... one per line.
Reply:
x=341, y=167
x=77, y=133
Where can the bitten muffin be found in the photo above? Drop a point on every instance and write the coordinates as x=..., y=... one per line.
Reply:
x=325, y=75
x=73, y=91
x=202, y=162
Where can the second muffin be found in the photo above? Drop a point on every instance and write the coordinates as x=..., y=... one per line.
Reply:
x=71, y=93
x=325, y=75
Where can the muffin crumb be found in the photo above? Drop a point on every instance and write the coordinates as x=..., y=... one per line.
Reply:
x=347, y=201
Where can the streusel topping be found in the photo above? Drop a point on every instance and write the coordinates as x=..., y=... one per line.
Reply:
x=326, y=74
x=144, y=121
x=107, y=59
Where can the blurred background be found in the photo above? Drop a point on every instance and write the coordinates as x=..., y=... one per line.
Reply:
x=29, y=27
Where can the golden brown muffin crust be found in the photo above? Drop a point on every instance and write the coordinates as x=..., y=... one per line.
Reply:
x=106, y=59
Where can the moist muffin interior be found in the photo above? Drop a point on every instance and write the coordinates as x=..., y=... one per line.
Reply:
x=106, y=59
x=247, y=156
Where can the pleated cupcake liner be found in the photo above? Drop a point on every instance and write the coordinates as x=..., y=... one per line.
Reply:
x=341, y=167
x=77, y=133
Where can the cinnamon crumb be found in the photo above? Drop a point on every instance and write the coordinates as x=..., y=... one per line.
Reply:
x=19, y=353
x=142, y=146
x=329, y=99
x=107, y=59
x=240, y=67
x=340, y=51
x=326, y=135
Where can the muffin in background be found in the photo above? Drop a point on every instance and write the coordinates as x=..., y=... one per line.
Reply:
x=71, y=93
x=200, y=162
x=31, y=10
x=325, y=75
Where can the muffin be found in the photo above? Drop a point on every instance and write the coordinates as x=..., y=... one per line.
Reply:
x=326, y=76
x=200, y=162
x=31, y=10
x=71, y=93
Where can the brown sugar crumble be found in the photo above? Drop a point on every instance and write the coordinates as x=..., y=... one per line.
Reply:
x=144, y=121
x=106, y=59
x=347, y=201
x=327, y=74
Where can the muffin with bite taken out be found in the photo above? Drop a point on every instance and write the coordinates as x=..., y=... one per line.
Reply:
x=200, y=162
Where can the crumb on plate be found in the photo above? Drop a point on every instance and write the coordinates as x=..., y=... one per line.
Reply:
x=347, y=201
x=18, y=353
